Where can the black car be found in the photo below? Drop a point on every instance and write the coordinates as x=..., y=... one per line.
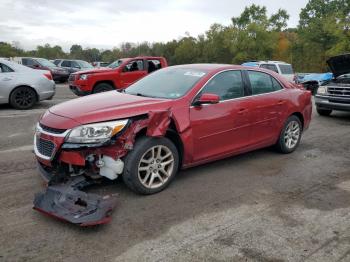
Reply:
x=335, y=94
x=58, y=74
x=73, y=65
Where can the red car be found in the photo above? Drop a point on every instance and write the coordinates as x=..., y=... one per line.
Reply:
x=177, y=117
x=118, y=75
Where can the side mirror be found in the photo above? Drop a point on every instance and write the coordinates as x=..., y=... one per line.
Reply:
x=36, y=66
x=207, y=98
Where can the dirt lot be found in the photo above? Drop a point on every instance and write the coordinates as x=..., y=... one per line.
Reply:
x=261, y=206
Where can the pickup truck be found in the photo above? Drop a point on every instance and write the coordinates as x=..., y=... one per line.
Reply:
x=118, y=75
x=335, y=93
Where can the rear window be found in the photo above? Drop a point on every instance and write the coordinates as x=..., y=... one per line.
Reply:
x=286, y=69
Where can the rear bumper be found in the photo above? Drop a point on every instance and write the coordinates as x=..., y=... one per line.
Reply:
x=333, y=103
x=47, y=95
x=77, y=91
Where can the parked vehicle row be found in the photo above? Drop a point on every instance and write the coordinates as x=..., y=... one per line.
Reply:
x=22, y=87
x=282, y=68
x=59, y=68
x=59, y=74
x=73, y=65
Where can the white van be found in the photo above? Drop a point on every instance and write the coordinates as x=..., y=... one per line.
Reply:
x=279, y=67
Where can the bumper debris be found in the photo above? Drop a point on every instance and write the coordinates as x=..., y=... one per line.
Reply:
x=67, y=202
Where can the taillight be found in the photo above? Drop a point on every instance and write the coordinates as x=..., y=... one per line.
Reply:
x=48, y=75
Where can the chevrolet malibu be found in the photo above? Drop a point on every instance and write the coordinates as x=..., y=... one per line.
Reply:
x=175, y=118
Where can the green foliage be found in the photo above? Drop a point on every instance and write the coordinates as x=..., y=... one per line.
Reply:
x=323, y=31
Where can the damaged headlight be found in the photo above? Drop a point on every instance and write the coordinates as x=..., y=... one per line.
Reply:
x=96, y=133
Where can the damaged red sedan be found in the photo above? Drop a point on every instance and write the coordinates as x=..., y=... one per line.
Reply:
x=177, y=117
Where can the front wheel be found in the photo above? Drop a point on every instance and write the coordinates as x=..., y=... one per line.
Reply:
x=102, y=87
x=290, y=135
x=151, y=165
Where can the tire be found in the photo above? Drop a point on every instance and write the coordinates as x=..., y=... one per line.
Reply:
x=290, y=135
x=23, y=98
x=324, y=112
x=144, y=177
x=102, y=87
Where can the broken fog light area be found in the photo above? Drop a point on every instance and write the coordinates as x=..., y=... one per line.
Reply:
x=67, y=202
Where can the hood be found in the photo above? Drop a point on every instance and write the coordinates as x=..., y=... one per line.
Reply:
x=95, y=70
x=108, y=106
x=339, y=65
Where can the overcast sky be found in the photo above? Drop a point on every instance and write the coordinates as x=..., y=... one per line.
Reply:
x=105, y=24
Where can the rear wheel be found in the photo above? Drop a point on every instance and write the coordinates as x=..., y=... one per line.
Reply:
x=102, y=87
x=324, y=112
x=23, y=98
x=151, y=165
x=290, y=135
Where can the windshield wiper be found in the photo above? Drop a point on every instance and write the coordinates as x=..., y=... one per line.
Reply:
x=140, y=94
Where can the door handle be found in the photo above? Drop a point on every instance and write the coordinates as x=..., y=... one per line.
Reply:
x=7, y=79
x=281, y=102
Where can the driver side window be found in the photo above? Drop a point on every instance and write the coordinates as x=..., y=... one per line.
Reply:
x=135, y=65
x=227, y=85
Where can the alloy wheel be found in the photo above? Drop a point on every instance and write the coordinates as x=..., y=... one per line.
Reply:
x=156, y=166
x=24, y=97
x=292, y=134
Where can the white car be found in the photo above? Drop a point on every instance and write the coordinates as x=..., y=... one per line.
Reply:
x=22, y=87
x=279, y=67
x=100, y=64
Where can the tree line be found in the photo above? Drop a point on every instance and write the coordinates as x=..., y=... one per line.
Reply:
x=322, y=32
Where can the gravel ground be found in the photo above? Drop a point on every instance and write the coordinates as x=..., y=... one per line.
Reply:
x=260, y=206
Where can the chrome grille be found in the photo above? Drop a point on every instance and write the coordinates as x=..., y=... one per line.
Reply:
x=45, y=147
x=339, y=91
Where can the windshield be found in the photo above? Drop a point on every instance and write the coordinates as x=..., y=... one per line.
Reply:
x=45, y=62
x=171, y=83
x=116, y=64
x=84, y=64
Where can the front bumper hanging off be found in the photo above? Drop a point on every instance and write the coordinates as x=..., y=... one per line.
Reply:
x=66, y=201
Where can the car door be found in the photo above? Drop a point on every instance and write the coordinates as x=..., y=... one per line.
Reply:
x=7, y=79
x=221, y=128
x=132, y=72
x=267, y=103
